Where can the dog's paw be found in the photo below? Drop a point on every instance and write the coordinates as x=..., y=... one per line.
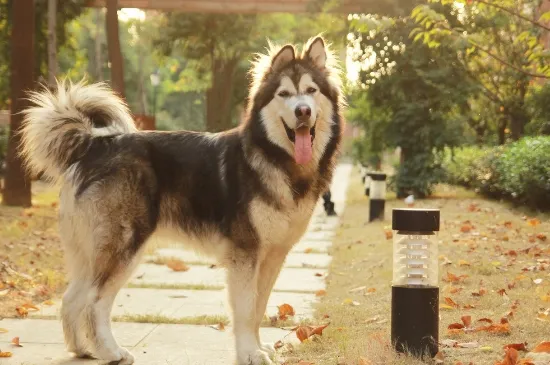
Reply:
x=269, y=348
x=258, y=357
x=126, y=358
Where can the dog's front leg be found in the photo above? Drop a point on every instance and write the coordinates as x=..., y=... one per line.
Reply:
x=242, y=279
x=268, y=273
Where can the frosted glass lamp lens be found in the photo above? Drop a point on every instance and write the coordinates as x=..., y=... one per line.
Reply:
x=415, y=259
x=377, y=189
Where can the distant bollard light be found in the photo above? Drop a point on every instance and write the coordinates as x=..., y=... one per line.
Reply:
x=415, y=286
x=377, y=195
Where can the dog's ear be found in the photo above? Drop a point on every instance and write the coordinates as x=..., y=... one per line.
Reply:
x=316, y=52
x=283, y=57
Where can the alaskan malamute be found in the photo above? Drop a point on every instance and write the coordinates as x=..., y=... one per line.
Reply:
x=244, y=196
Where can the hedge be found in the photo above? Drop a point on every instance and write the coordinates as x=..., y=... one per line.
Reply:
x=519, y=171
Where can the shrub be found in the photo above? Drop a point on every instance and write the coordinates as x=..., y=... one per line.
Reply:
x=519, y=171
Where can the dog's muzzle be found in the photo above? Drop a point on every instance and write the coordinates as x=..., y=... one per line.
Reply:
x=291, y=134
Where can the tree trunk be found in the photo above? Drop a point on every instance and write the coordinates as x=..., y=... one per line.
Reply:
x=219, y=96
x=17, y=189
x=52, y=42
x=113, y=43
x=501, y=129
x=98, y=58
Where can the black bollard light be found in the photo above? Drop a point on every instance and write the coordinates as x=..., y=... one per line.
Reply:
x=415, y=286
x=377, y=195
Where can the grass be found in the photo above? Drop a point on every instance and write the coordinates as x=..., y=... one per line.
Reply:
x=363, y=257
x=31, y=256
x=158, y=318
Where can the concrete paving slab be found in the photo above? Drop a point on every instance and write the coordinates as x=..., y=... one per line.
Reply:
x=318, y=235
x=49, y=331
x=164, y=344
x=315, y=246
x=294, y=259
x=176, y=304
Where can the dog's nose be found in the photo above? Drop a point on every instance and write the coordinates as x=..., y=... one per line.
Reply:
x=302, y=111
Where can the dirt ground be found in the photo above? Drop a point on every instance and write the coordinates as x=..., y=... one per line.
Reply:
x=494, y=264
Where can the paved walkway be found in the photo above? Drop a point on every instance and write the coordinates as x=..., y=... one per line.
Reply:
x=158, y=294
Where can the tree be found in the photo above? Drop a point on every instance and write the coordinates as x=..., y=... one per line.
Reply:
x=52, y=42
x=414, y=92
x=113, y=42
x=499, y=43
x=17, y=190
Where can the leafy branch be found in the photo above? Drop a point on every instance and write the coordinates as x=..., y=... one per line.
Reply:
x=512, y=12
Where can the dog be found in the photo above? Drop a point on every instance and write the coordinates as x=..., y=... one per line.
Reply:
x=244, y=196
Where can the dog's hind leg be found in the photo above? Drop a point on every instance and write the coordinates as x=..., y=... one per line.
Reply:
x=242, y=279
x=268, y=273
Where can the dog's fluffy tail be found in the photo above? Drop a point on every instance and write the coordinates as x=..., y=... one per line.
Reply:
x=58, y=129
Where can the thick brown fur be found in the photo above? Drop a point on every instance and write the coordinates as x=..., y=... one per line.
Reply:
x=240, y=196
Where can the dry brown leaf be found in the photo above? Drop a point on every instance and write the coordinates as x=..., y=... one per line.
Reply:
x=318, y=274
x=389, y=234
x=517, y=346
x=285, y=310
x=5, y=354
x=541, y=236
x=542, y=347
x=22, y=311
x=277, y=345
x=468, y=306
x=177, y=265
x=456, y=289
x=488, y=320
x=220, y=326
x=305, y=332
x=308, y=250
x=371, y=290
x=463, y=263
x=320, y=293
x=15, y=342
x=533, y=222
x=467, y=320
x=510, y=357
x=508, y=224
x=456, y=326
x=303, y=362
x=439, y=358
x=452, y=278
x=466, y=227
x=480, y=292
x=48, y=302
x=501, y=292
x=495, y=328
x=451, y=302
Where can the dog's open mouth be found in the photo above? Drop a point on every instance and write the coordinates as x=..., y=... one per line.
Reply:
x=291, y=133
x=302, y=137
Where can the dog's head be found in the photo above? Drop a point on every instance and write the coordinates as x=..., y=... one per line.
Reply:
x=294, y=101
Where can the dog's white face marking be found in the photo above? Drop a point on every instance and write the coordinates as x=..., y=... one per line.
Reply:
x=283, y=109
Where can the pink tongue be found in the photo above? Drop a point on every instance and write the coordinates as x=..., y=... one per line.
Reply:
x=302, y=146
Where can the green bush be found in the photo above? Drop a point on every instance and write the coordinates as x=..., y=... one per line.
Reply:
x=519, y=171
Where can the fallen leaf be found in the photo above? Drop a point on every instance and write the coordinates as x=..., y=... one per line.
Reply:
x=542, y=347
x=371, y=290
x=533, y=222
x=3, y=330
x=517, y=346
x=463, y=263
x=501, y=292
x=541, y=236
x=48, y=302
x=318, y=274
x=452, y=278
x=508, y=224
x=389, y=234
x=177, y=265
x=495, y=328
x=302, y=362
x=468, y=306
x=15, y=342
x=5, y=354
x=480, y=292
x=277, y=345
x=455, y=326
x=220, y=326
x=305, y=332
x=451, y=302
x=485, y=320
x=320, y=293
x=349, y=301
x=466, y=227
x=445, y=306
x=510, y=357
x=439, y=358
x=467, y=320
x=468, y=345
x=22, y=311
x=308, y=250
x=455, y=290
x=285, y=310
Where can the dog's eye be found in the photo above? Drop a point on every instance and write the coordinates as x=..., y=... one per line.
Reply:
x=311, y=90
x=284, y=94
